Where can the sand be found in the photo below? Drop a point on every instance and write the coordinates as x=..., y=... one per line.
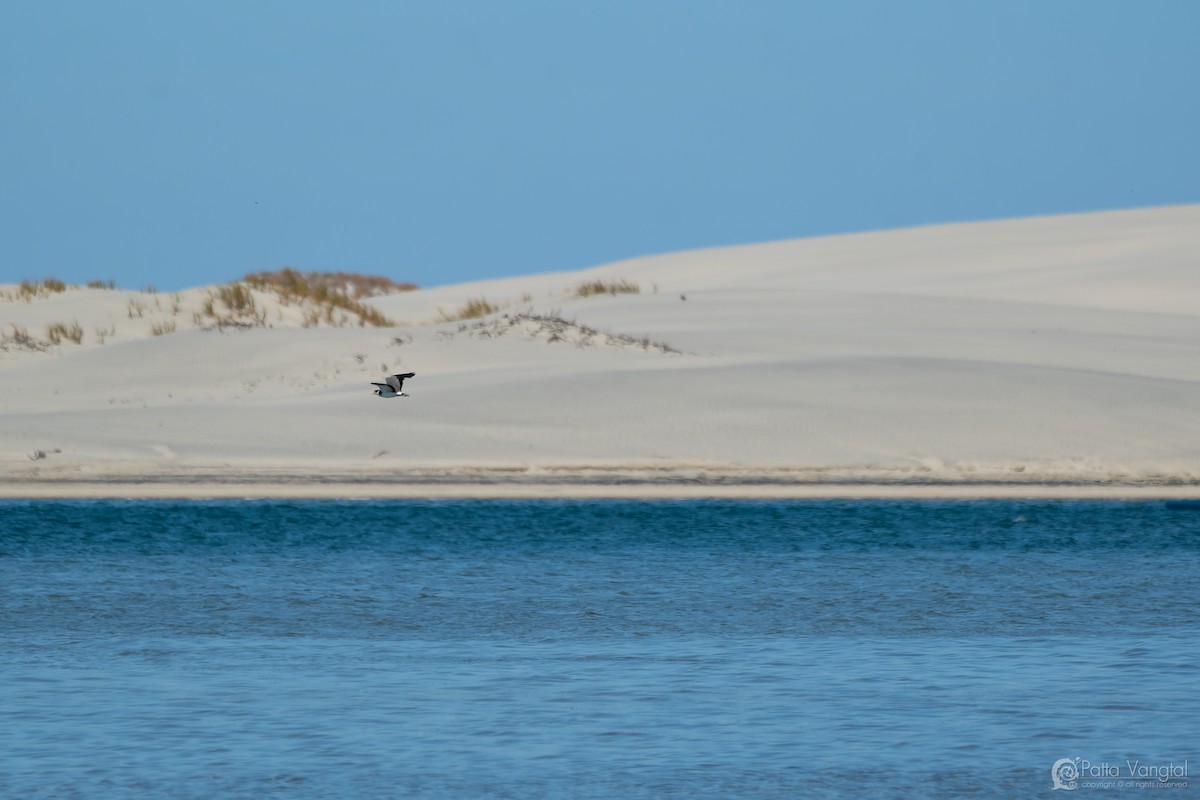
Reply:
x=1040, y=357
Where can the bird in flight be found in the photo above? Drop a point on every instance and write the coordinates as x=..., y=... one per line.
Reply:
x=393, y=386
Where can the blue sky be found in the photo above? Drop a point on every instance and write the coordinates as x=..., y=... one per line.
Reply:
x=178, y=144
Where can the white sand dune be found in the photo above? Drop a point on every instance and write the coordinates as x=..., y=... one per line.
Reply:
x=1061, y=349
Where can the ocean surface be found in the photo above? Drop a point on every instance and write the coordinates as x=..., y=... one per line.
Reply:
x=598, y=649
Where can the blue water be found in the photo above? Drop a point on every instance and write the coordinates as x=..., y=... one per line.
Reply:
x=592, y=649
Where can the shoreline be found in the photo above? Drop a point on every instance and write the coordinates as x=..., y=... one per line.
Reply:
x=677, y=481
x=341, y=489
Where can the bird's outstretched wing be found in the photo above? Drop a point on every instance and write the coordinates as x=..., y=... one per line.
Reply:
x=397, y=381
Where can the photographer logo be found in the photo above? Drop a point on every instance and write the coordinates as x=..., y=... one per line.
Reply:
x=1079, y=773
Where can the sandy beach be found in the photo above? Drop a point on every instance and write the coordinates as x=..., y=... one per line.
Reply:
x=1046, y=357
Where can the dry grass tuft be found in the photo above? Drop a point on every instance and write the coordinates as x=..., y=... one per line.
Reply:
x=59, y=332
x=28, y=290
x=336, y=295
x=237, y=297
x=590, y=288
x=553, y=328
x=292, y=284
x=20, y=339
x=474, y=309
x=240, y=309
